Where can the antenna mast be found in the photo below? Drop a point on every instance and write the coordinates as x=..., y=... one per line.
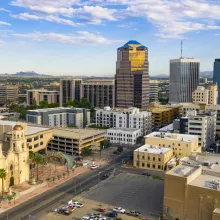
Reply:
x=181, y=49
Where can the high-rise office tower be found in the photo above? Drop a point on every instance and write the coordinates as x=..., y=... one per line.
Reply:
x=132, y=76
x=100, y=93
x=184, y=79
x=153, y=91
x=69, y=90
x=216, y=76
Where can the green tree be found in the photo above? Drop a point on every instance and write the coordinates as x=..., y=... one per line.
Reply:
x=37, y=159
x=106, y=143
x=3, y=175
x=84, y=103
x=44, y=104
x=120, y=149
x=73, y=103
x=86, y=152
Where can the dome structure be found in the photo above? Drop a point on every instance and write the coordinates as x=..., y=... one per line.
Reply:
x=18, y=128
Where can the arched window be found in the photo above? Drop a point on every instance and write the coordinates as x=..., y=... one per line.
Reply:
x=23, y=146
x=13, y=146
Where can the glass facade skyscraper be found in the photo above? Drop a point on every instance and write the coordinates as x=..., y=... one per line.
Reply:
x=132, y=76
x=216, y=76
x=184, y=79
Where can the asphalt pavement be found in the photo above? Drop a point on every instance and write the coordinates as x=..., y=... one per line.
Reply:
x=52, y=198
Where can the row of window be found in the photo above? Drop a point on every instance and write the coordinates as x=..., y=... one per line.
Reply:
x=35, y=138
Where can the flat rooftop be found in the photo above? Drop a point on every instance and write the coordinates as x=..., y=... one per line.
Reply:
x=147, y=148
x=124, y=129
x=77, y=133
x=208, y=161
x=183, y=170
x=167, y=128
x=172, y=136
x=55, y=109
x=28, y=130
x=206, y=181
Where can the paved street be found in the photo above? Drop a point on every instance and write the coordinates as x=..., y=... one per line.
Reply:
x=38, y=205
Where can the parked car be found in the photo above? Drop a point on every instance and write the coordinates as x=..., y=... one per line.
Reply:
x=145, y=174
x=93, y=167
x=86, y=162
x=85, y=218
x=101, y=210
x=104, y=177
x=95, y=215
x=119, y=209
x=112, y=214
x=77, y=204
x=134, y=213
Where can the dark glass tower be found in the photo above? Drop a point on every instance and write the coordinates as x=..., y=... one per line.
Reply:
x=132, y=76
x=216, y=76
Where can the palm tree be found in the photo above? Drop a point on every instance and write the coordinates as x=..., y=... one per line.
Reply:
x=3, y=175
x=37, y=159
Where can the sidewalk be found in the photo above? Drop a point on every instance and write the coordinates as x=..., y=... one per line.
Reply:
x=49, y=185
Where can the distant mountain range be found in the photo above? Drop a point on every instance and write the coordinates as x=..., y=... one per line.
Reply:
x=205, y=74
x=28, y=73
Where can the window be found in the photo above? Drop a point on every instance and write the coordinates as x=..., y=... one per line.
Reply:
x=29, y=140
x=153, y=165
x=148, y=158
x=178, y=144
x=143, y=157
x=41, y=136
x=143, y=164
x=153, y=158
x=36, y=138
x=41, y=143
x=148, y=165
x=159, y=159
x=159, y=167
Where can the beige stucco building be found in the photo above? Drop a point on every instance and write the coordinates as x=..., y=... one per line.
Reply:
x=152, y=157
x=183, y=145
x=14, y=158
x=37, y=137
x=191, y=190
x=36, y=96
x=206, y=96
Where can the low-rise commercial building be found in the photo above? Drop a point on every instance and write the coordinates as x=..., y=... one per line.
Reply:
x=52, y=87
x=191, y=190
x=36, y=96
x=131, y=118
x=183, y=145
x=152, y=157
x=8, y=94
x=126, y=136
x=72, y=141
x=100, y=93
x=201, y=124
x=163, y=115
x=201, y=108
x=59, y=117
x=37, y=137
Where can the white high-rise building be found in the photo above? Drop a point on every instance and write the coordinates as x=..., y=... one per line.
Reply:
x=130, y=118
x=184, y=79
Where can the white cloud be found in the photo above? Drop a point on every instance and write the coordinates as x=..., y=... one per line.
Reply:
x=51, y=18
x=172, y=18
x=4, y=23
x=81, y=37
x=2, y=42
x=123, y=26
x=5, y=10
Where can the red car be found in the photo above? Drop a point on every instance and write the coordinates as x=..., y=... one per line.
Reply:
x=101, y=210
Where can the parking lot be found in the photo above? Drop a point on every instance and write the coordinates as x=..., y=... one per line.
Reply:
x=132, y=192
x=129, y=191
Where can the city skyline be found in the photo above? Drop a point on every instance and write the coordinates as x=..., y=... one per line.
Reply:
x=59, y=37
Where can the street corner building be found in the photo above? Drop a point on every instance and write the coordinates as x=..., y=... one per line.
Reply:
x=14, y=159
x=132, y=76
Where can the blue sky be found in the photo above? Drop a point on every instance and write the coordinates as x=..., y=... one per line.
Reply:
x=81, y=37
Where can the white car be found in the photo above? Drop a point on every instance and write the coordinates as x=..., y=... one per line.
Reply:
x=77, y=204
x=85, y=218
x=119, y=210
x=93, y=167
